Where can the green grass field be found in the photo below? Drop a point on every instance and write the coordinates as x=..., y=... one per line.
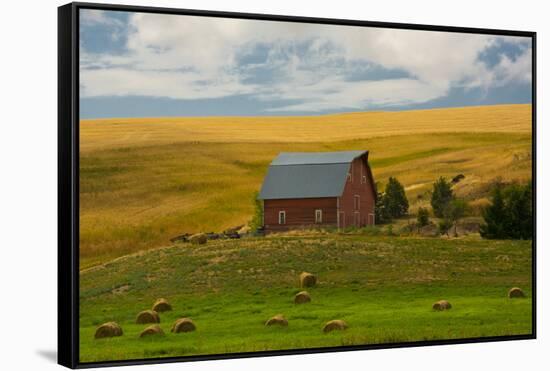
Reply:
x=383, y=287
x=143, y=181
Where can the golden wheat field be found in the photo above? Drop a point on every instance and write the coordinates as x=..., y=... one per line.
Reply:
x=143, y=181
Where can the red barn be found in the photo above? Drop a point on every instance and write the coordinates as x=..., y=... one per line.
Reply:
x=304, y=189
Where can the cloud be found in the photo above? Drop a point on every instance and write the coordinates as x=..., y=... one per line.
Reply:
x=94, y=17
x=313, y=66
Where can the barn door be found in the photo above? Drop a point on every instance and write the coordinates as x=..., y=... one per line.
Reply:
x=356, y=219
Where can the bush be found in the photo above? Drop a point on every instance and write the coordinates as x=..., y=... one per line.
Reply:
x=423, y=217
x=258, y=218
x=510, y=214
x=394, y=200
x=444, y=226
x=442, y=196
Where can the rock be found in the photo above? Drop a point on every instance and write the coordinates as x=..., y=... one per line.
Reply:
x=151, y=330
x=183, y=325
x=278, y=319
x=198, y=239
x=441, y=305
x=302, y=297
x=161, y=305
x=516, y=292
x=336, y=324
x=307, y=279
x=148, y=316
x=107, y=330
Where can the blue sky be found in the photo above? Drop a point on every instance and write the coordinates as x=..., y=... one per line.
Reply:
x=150, y=65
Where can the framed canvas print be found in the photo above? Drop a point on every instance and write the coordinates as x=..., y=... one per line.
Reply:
x=236, y=185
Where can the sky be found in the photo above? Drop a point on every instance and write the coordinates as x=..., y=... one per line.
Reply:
x=153, y=65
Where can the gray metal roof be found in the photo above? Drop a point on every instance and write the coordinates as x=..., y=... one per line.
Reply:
x=307, y=175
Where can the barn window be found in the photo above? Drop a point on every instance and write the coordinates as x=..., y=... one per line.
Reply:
x=356, y=202
x=318, y=216
x=364, y=179
x=282, y=217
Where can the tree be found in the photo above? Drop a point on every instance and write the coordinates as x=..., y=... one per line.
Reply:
x=494, y=216
x=258, y=218
x=380, y=213
x=510, y=214
x=455, y=211
x=442, y=195
x=422, y=217
x=394, y=200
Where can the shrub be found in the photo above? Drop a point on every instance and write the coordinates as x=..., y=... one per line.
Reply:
x=442, y=195
x=258, y=218
x=422, y=217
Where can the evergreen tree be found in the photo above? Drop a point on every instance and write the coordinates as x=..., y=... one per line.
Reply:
x=442, y=196
x=395, y=201
x=380, y=213
x=495, y=217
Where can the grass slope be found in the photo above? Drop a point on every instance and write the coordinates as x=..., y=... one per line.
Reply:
x=382, y=286
x=144, y=181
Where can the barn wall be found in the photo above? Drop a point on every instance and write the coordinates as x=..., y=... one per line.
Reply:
x=299, y=213
x=357, y=186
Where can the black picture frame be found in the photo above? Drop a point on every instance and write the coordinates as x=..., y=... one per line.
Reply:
x=68, y=180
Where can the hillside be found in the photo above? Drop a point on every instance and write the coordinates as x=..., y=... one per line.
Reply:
x=382, y=287
x=144, y=181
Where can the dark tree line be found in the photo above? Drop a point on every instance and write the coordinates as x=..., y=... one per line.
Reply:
x=510, y=215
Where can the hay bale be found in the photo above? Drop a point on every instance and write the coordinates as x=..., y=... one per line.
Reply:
x=278, y=319
x=441, y=305
x=516, y=292
x=161, y=305
x=108, y=330
x=302, y=297
x=151, y=330
x=307, y=279
x=147, y=316
x=335, y=324
x=183, y=325
x=198, y=239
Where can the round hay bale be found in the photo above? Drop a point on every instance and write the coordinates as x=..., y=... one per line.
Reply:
x=147, y=316
x=108, y=330
x=198, y=239
x=335, y=324
x=151, y=330
x=302, y=297
x=307, y=279
x=516, y=292
x=183, y=325
x=279, y=319
x=161, y=305
x=441, y=305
